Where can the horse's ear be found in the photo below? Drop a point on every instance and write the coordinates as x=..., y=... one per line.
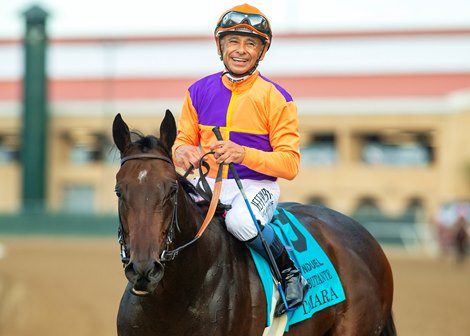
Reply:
x=168, y=131
x=121, y=134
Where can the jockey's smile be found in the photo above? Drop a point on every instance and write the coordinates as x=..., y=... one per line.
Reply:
x=241, y=52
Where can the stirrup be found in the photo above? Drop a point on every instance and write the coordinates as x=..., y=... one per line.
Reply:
x=282, y=305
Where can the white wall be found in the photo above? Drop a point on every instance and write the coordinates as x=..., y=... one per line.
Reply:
x=302, y=56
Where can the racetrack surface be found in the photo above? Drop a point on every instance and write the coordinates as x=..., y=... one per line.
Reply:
x=58, y=286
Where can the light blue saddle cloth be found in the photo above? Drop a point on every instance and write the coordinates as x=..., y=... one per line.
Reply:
x=325, y=287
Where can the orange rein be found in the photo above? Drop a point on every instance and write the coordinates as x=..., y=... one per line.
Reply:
x=212, y=208
x=168, y=255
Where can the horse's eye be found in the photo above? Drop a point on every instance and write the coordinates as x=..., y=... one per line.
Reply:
x=117, y=190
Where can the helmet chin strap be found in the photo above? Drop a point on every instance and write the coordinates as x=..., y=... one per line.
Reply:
x=238, y=77
x=233, y=79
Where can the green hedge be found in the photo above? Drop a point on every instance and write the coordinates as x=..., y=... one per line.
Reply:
x=60, y=224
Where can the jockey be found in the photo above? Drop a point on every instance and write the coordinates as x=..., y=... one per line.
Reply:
x=259, y=124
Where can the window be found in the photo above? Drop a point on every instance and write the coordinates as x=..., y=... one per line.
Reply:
x=81, y=154
x=397, y=149
x=320, y=151
x=367, y=211
x=78, y=199
x=87, y=147
x=8, y=148
x=414, y=212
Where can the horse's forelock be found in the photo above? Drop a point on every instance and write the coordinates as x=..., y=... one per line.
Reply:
x=145, y=142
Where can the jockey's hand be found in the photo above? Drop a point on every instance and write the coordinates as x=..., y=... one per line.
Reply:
x=226, y=152
x=187, y=156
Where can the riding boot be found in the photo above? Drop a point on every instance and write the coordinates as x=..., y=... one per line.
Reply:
x=294, y=284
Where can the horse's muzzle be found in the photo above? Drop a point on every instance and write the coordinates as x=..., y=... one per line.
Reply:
x=144, y=276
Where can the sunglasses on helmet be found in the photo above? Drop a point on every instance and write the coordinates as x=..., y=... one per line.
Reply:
x=256, y=21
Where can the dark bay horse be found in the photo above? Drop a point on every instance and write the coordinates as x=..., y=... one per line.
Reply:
x=211, y=286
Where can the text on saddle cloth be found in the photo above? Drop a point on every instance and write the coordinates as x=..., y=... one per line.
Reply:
x=325, y=288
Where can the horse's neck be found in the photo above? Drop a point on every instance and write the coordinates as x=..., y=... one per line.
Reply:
x=211, y=272
x=185, y=276
x=190, y=217
x=215, y=248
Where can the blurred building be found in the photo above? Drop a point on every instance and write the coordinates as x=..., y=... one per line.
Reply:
x=384, y=116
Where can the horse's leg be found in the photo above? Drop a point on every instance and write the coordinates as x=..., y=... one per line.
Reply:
x=319, y=324
x=368, y=302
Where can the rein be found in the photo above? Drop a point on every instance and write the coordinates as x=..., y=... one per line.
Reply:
x=168, y=255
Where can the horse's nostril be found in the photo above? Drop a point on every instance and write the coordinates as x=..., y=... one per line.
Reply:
x=150, y=270
x=156, y=272
x=130, y=272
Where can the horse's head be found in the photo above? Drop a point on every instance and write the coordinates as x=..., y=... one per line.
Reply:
x=147, y=188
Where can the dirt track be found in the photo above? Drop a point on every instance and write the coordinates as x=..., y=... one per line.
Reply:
x=67, y=286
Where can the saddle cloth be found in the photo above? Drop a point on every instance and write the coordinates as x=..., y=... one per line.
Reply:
x=325, y=288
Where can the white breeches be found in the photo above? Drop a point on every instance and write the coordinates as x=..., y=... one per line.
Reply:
x=263, y=197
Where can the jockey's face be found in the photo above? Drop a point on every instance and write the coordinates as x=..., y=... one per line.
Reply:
x=241, y=52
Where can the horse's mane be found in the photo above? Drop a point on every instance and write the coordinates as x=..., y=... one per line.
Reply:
x=146, y=143
x=187, y=186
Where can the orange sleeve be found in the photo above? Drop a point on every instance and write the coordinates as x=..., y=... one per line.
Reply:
x=188, y=125
x=284, y=160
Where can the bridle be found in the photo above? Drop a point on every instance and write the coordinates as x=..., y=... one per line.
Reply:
x=124, y=252
x=167, y=254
